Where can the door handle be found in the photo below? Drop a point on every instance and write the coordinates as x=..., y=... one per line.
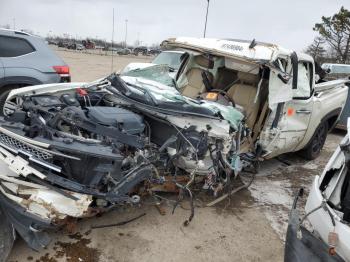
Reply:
x=303, y=111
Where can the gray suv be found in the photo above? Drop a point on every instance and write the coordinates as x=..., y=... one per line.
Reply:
x=27, y=60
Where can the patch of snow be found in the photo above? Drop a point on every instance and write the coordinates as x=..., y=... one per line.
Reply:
x=278, y=219
x=310, y=165
x=275, y=198
x=272, y=192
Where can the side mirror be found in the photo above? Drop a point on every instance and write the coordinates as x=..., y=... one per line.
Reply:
x=284, y=78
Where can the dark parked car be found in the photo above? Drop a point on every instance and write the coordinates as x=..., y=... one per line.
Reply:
x=27, y=60
x=52, y=42
x=124, y=51
x=72, y=46
x=140, y=50
x=154, y=51
x=62, y=44
x=88, y=44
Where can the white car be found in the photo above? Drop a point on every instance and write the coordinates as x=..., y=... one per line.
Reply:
x=328, y=210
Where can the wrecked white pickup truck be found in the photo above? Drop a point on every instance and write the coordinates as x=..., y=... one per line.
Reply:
x=69, y=151
x=275, y=88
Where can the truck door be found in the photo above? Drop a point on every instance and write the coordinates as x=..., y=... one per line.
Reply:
x=298, y=111
x=289, y=121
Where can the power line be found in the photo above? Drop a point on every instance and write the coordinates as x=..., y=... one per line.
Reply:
x=112, y=41
x=206, y=19
x=126, y=30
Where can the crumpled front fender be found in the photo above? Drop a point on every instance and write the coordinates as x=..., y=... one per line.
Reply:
x=30, y=227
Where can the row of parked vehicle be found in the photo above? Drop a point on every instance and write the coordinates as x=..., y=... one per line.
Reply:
x=203, y=111
x=140, y=50
x=85, y=44
x=88, y=44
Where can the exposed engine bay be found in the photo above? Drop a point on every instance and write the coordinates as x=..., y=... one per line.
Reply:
x=78, y=151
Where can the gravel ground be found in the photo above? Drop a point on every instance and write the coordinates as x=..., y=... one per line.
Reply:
x=249, y=227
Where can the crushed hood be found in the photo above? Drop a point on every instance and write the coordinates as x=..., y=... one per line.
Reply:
x=170, y=94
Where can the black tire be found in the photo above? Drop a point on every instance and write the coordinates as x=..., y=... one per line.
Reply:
x=316, y=143
x=3, y=95
x=7, y=237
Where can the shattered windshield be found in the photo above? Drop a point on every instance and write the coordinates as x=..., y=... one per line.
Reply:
x=157, y=73
x=172, y=59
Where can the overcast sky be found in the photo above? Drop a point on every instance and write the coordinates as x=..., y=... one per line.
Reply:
x=285, y=22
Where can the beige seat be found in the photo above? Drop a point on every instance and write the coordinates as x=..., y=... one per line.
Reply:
x=224, y=78
x=195, y=85
x=243, y=94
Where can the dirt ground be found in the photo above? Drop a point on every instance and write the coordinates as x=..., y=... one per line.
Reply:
x=249, y=227
x=85, y=67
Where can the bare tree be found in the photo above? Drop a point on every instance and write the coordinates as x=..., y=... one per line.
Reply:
x=335, y=30
x=316, y=49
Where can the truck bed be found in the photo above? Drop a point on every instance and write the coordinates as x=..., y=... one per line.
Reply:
x=330, y=84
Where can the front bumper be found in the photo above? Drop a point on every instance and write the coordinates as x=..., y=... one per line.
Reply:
x=308, y=248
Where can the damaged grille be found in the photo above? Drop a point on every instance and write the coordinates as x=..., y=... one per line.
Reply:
x=17, y=145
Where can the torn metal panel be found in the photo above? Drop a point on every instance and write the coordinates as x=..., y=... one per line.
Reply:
x=29, y=226
x=38, y=199
x=328, y=211
x=302, y=246
x=278, y=91
x=230, y=48
x=18, y=164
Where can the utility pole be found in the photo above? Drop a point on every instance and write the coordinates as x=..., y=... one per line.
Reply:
x=112, y=41
x=126, y=30
x=206, y=19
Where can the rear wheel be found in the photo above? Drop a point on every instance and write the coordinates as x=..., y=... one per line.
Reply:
x=315, y=146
